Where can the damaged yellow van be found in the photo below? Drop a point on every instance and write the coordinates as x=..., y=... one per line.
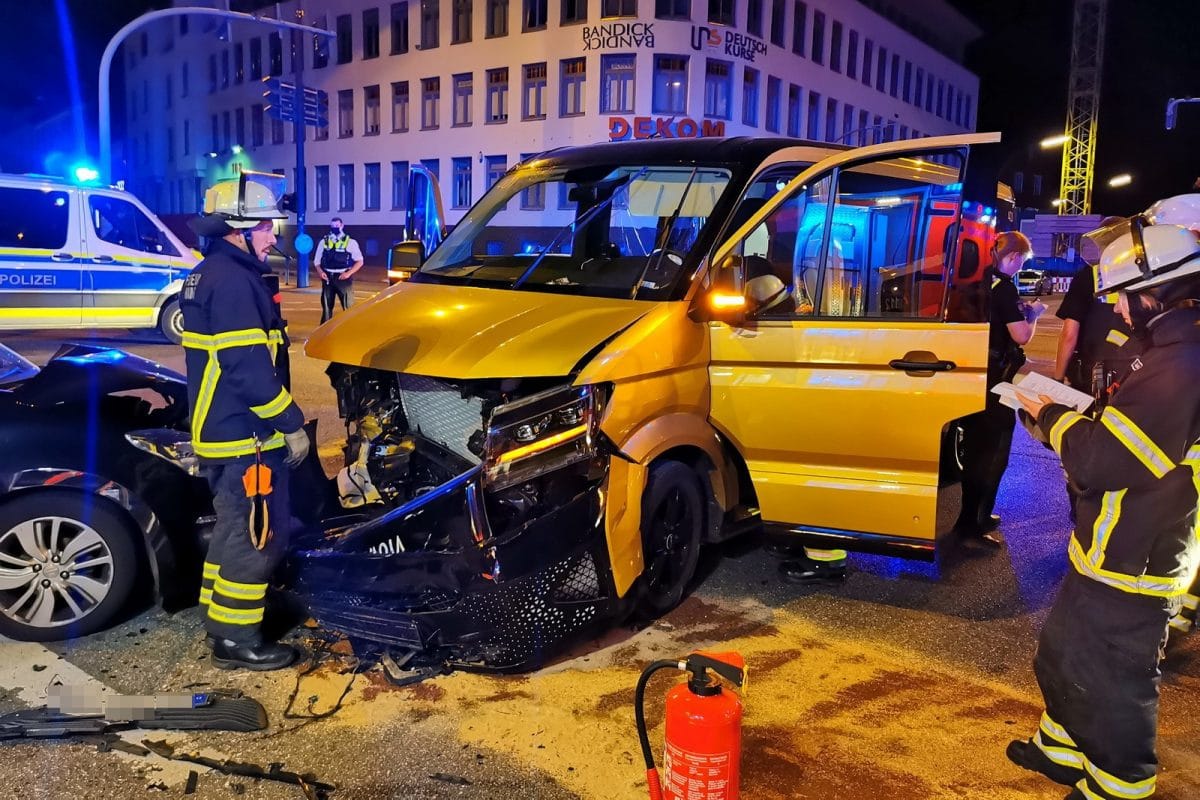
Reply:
x=624, y=351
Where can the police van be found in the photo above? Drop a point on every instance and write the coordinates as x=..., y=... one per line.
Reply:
x=86, y=257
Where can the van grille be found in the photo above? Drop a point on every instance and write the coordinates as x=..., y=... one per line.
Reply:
x=439, y=412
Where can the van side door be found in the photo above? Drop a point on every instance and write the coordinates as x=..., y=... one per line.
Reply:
x=842, y=395
x=40, y=279
x=129, y=263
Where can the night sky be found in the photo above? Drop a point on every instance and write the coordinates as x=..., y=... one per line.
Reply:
x=1152, y=52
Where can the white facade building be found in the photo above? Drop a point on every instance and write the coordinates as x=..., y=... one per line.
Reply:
x=469, y=87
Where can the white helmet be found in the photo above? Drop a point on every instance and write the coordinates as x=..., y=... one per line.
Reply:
x=242, y=204
x=766, y=291
x=1147, y=256
x=1182, y=210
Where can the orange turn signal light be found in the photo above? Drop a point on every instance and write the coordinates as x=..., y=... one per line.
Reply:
x=726, y=300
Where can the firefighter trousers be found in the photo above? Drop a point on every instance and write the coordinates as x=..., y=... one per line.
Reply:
x=1097, y=664
x=987, y=439
x=234, y=588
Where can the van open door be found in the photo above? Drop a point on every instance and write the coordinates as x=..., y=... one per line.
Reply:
x=842, y=396
x=424, y=223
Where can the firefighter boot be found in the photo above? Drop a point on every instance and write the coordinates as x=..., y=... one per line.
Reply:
x=805, y=571
x=1026, y=755
x=228, y=654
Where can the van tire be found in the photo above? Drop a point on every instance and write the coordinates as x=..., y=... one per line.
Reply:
x=170, y=321
x=673, y=508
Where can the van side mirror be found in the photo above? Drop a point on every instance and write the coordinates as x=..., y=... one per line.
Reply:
x=405, y=258
x=723, y=300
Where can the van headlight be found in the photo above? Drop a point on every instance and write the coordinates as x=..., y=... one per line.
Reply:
x=541, y=433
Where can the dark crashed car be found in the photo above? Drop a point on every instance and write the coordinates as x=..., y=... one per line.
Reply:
x=99, y=497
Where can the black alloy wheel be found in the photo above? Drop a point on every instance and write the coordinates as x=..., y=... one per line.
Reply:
x=672, y=528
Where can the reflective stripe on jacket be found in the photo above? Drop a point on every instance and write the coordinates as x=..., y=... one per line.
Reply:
x=234, y=341
x=1138, y=464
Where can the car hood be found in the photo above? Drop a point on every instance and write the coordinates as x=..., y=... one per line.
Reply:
x=467, y=332
x=78, y=372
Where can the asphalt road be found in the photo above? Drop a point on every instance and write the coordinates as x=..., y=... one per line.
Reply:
x=905, y=682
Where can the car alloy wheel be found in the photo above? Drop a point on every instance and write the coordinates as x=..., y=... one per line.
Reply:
x=54, y=571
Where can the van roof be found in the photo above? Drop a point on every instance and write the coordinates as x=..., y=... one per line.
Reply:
x=738, y=149
x=33, y=179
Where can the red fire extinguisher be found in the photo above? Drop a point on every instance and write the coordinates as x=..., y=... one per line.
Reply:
x=703, y=729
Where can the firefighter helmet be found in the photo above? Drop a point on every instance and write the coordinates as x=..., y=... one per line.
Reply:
x=242, y=204
x=1147, y=256
x=1182, y=209
x=765, y=292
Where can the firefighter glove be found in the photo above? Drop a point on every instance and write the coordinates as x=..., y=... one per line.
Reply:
x=297, y=447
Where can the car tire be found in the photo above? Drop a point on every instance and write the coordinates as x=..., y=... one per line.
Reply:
x=170, y=322
x=672, y=527
x=91, y=537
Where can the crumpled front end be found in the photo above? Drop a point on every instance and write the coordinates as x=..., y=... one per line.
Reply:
x=480, y=541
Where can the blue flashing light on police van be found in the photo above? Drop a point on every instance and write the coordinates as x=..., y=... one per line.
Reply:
x=85, y=173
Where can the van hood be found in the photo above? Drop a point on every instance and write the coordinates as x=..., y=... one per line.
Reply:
x=467, y=332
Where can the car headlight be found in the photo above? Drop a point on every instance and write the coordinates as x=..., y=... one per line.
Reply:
x=542, y=433
x=169, y=445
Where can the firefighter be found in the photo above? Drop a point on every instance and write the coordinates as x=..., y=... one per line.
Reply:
x=246, y=428
x=338, y=258
x=1134, y=551
x=987, y=435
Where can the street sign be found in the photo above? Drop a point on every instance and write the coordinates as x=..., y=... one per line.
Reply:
x=310, y=108
x=304, y=244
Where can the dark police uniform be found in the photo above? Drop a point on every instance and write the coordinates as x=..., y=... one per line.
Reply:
x=235, y=343
x=1133, y=555
x=987, y=435
x=336, y=256
x=1106, y=346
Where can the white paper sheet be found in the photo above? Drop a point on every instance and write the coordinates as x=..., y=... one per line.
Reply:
x=1034, y=384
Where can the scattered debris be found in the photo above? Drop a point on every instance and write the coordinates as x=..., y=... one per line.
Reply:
x=159, y=786
x=457, y=780
x=236, y=788
x=312, y=788
x=192, y=779
x=38, y=667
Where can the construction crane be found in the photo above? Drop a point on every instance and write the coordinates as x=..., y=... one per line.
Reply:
x=1083, y=106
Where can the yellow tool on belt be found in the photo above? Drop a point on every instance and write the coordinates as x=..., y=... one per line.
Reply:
x=257, y=480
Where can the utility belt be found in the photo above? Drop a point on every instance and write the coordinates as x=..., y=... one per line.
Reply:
x=1003, y=365
x=1100, y=380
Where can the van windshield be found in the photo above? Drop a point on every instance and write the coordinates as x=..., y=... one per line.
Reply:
x=612, y=231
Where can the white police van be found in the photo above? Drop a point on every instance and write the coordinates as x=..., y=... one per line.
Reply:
x=76, y=256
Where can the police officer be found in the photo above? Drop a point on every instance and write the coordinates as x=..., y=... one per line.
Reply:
x=246, y=429
x=987, y=435
x=1134, y=552
x=337, y=258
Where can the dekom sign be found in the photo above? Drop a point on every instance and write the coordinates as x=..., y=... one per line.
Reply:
x=662, y=128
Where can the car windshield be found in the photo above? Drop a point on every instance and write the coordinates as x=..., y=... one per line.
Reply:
x=14, y=367
x=1029, y=275
x=613, y=231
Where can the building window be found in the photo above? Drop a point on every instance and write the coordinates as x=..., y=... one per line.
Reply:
x=239, y=66
x=907, y=82
x=929, y=92
x=718, y=88
x=721, y=12
x=793, y=111
x=814, y=116
x=183, y=26
x=835, y=47
x=670, y=85
x=320, y=45
x=818, y=37
x=170, y=145
x=227, y=130
x=535, y=15
x=754, y=17
x=852, y=56
x=868, y=54
x=618, y=8
x=847, y=124
x=399, y=107
x=371, y=187
x=895, y=82
x=574, y=74
x=275, y=54
x=345, y=39
x=617, y=73
x=533, y=198
x=255, y=58
x=345, y=187
x=399, y=28
x=187, y=136
x=321, y=189
x=434, y=165
x=371, y=35
x=461, y=22
x=574, y=11
x=920, y=83
x=431, y=92
x=497, y=18
x=320, y=133
x=430, y=20
x=799, y=26
x=399, y=185
x=864, y=130
x=533, y=91
x=673, y=9
x=184, y=83
x=239, y=126
x=224, y=69
x=778, y=22
x=345, y=113
x=212, y=74
x=750, y=96
x=462, y=182
x=881, y=69
x=277, y=131
x=371, y=110
x=496, y=167
x=170, y=90
x=831, y=117
x=256, y=125
x=497, y=95
x=463, y=89
x=773, y=90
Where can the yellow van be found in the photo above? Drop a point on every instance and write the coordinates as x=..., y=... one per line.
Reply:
x=586, y=381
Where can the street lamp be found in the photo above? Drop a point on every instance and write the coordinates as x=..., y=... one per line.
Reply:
x=1051, y=142
x=1056, y=202
x=1117, y=181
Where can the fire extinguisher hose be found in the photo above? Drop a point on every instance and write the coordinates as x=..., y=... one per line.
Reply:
x=639, y=715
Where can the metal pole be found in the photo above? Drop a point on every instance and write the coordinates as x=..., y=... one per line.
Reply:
x=299, y=130
x=105, y=123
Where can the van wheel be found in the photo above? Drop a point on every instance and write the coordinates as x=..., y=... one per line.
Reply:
x=170, y=322
x=67, y=566
x=672, y=528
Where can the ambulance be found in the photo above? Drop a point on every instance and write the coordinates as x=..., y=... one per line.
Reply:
x=84, y=257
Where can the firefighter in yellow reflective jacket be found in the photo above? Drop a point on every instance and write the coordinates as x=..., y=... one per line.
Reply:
x=246, y=429
x=1134, y=551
